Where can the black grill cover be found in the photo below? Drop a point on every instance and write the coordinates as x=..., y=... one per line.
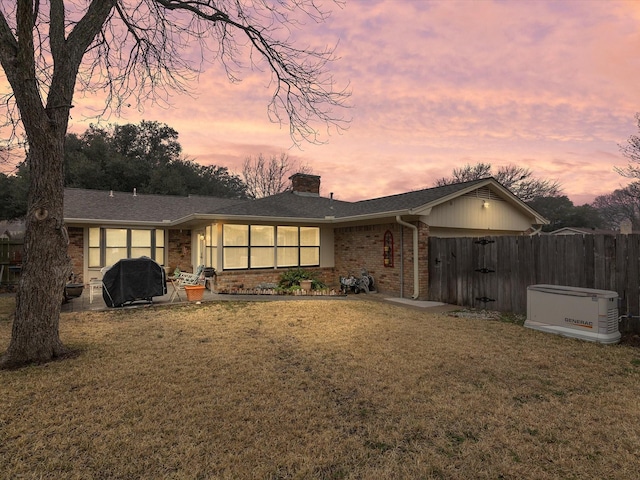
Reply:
x=133, y=279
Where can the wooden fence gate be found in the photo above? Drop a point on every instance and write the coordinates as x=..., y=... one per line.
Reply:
x=494, y=272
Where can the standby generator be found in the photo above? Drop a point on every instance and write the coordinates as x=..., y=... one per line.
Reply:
x=583, y=313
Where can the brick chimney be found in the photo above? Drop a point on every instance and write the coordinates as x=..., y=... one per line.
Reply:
x=305, y=184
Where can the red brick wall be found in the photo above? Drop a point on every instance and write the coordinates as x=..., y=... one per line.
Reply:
x=76, y=251
x=305, y=183
x=423, y=260
x=236, y=279
x=355, y=248
x=362, y=247
x=179, y=250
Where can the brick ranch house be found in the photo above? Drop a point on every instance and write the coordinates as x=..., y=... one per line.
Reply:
x=250, y=242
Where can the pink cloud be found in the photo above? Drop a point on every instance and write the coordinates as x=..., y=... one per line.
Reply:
x=437, y=84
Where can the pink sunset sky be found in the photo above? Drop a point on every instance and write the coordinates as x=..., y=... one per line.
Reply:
x=550, y=85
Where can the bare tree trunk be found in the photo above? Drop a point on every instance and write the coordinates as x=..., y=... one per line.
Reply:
x=41, y=54
x=46, y=264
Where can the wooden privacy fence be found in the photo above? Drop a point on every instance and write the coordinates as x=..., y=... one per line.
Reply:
x=494, y=272
x=10, y=259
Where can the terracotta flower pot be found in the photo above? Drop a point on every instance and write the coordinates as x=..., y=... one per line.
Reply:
x=194, y=292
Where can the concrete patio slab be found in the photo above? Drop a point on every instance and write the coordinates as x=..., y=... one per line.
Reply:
x=84, y=303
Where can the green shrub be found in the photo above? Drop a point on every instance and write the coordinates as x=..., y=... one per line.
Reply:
x=290, y=280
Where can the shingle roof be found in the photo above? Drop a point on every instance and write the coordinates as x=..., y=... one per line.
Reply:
x=81, y=204
x=290, y=204
x=286, y=205
x=404, y=201
x=119, y=206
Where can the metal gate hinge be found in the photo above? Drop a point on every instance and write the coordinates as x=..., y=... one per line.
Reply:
x=484, y=270
x=485, y=299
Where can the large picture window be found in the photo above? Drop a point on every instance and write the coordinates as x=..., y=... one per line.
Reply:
x=266, y=246
x=108, y=245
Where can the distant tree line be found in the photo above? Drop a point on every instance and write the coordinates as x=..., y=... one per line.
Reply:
x=148, y=157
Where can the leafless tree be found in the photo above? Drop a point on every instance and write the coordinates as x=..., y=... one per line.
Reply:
x=265, y=177
x=519, y=180
x=466, y=174
x=622, y=204
x=135, y=51
x=631, y=150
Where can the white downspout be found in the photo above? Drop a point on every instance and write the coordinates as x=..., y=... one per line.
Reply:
x=416, y=274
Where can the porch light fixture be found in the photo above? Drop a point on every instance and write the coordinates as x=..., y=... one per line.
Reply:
x=485, y=204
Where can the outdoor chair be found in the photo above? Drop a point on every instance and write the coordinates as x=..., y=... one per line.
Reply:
x=178, y=283
x=94, y=285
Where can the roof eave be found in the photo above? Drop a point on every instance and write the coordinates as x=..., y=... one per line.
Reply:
x=375, y=216
x=102, y=221
x=252, y=218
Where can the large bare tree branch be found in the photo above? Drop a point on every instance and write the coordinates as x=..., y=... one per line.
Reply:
x=137, y=55
x=135, y=51
x=8, y=60
x=303, y=92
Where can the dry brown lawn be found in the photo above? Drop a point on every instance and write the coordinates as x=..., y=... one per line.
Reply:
x=323, y=389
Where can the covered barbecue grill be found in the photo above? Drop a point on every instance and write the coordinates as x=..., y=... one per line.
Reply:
x=131, y=280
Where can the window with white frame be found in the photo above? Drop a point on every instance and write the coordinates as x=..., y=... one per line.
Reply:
x=266, y=246
x=288, y=246
x=261, y=244
x=235, y=246
x=309, y=246
x=108, y=245
x=211, y=246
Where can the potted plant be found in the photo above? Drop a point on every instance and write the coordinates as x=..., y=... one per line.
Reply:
x=195, y=293
x=297, y=279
